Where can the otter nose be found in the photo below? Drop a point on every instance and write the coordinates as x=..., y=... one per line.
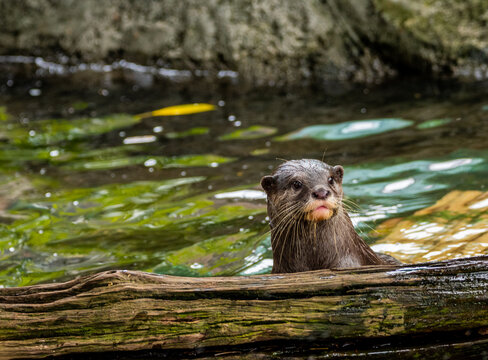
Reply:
x=320, y=193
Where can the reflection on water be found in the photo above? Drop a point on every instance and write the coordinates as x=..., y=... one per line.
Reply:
x=84, y=186
x=452, y=164
x=242, y=194
x=455, y=226
x=348, y=129
x=398, y=185
x=480, y=205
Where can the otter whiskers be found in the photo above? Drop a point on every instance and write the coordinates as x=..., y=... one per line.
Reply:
x=310, y=226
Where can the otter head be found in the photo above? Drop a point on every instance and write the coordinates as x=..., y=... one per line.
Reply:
x=310, y=189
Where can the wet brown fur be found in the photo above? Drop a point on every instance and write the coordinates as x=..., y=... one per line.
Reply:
x=300, y=240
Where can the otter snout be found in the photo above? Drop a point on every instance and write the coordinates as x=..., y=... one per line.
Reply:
x=320, y=193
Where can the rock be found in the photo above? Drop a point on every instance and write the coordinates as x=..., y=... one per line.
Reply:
x=268, y=43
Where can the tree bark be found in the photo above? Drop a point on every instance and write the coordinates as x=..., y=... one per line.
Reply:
x=427, y=310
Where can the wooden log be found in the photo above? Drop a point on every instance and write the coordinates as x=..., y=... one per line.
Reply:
x=427, y=310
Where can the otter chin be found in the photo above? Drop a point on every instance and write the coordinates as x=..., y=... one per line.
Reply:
x=319, y=210
x=310, y=228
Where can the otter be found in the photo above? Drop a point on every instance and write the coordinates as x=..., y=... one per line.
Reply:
x=310, y=229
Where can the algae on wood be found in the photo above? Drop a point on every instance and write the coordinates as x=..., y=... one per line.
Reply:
x=428, y=309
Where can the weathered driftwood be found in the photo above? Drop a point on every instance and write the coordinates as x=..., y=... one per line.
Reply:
x=428, y=310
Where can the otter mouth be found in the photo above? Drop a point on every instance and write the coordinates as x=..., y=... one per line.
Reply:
x=319, y=211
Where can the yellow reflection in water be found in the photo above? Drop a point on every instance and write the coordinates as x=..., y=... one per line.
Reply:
x=175, y=110
x=456, y=226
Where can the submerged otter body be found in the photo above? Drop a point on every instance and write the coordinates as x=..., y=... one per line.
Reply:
x=310, y=229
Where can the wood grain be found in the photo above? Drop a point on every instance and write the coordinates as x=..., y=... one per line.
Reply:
x=414, y=309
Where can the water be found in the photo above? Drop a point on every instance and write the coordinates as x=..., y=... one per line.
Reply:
x=85, y=186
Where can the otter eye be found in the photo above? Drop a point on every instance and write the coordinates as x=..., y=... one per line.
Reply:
x=297, y=185
x=331, y=180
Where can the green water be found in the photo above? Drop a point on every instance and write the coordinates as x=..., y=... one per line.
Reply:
x=85, y=186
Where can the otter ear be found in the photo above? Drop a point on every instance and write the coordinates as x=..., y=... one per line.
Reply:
x=268, y=183
x=339, y=171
